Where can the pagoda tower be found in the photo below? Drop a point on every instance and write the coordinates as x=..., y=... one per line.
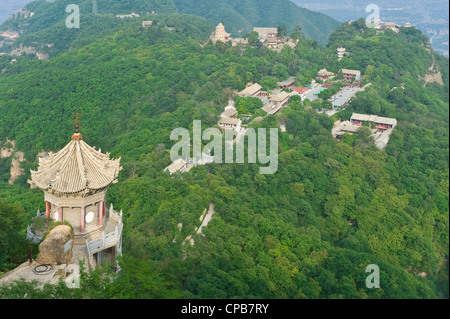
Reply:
x=220, y=34
x=340, y=53
x=75, y=181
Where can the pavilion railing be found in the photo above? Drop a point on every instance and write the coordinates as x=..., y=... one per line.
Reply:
x=107, y=240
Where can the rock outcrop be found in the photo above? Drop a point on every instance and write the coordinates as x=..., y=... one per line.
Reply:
x=7, y=149
x=57, y=247
x=16, y=169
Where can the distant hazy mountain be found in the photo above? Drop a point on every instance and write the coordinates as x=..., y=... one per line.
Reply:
x=8, y=7
x=240, y=16
x=430, y=16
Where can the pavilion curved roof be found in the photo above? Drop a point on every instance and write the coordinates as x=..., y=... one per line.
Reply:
x=76, y=168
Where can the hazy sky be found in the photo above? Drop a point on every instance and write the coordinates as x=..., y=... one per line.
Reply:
x=423, y=11
x=430, y=16
x=351, y=7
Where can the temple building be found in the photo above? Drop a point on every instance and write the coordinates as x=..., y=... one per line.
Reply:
x=75, y=181
x=289, y=83
x=380, y=127
x=351, y=75
x=179, y=165
x=147, y=23
x=381, y=123
x=324, y=75
x=253, y=90
x=266, y=33
x=230, y=123
x=280, y=99
x=132, y=15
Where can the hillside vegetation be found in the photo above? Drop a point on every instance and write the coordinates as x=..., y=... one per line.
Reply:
x=308, y=231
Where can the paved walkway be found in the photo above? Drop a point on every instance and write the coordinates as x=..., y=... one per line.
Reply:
x=344, y=96
x=25, y=271
x=79, y=253
x=207, y=218
x=49, y=274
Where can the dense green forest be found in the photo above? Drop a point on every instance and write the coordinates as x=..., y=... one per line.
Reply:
x=308, y=231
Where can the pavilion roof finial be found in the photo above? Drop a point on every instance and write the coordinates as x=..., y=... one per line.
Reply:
x=77, y=135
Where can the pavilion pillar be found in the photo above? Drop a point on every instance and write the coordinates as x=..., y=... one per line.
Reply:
x=99, y=258
x=60, y=214
x=82, y=219
x=100, y=212
x=47, y=209
x=104, y=206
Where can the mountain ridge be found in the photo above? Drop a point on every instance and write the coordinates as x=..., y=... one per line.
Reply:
x=40, y=15
x=240, y=16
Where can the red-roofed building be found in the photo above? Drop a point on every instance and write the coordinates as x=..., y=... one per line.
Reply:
x=301, y=90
